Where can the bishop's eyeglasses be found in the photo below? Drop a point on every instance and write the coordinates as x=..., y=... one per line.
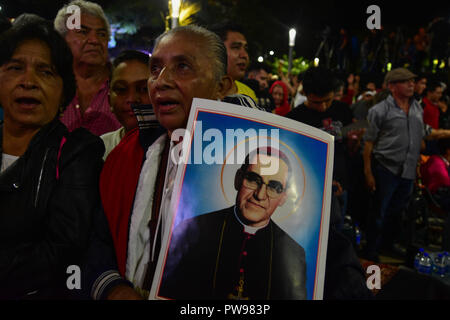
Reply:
x=254, y=181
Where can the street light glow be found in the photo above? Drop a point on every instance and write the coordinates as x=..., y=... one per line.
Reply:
x=271, y=52
x=316, y=62
x=389, y=66
x=176, y=4
x=292, y=34
x=260, y=59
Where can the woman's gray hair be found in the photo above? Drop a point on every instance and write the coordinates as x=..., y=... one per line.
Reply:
x=86, y=7
x=215, y=46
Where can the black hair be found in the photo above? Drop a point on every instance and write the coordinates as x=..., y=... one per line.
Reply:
x=433, y=84
x=256, y=66
x=128, y=55
x=338, y=84
x=420, y=76
x=443, y=145
x=30, y=27
x=366, y=83
x=222, y=29
x=318, y=81
x=5, y=24
x=301, y=76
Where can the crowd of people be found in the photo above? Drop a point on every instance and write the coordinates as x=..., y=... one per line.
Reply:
x=423, y=48
x=85, y=173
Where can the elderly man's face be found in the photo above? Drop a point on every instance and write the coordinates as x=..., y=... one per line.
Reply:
x=31, y=90
x=258, y=194
x=180, y=70
x=89, y=44
x=128, y=86
x=402, y=89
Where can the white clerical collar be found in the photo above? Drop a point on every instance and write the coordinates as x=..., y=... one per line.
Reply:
x=248, y=229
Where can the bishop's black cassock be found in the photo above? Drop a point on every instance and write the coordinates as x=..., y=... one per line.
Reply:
x=211, y=257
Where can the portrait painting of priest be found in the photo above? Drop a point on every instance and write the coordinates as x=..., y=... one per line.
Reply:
x=252, y=227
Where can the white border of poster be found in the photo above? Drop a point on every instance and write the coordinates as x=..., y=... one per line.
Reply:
x=312, y=196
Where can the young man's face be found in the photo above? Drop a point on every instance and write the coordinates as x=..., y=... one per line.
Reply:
x=319, y=103
x=128, y=86
x=257, y=197
x=420, y=86
x=435, y=95
x=263, y=79
x=237, y=51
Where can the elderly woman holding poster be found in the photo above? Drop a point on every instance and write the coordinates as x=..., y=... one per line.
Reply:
x=187, y=62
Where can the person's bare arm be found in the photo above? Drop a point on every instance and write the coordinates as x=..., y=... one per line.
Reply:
x=367, y=157
x=438, y=134
x=291, y=90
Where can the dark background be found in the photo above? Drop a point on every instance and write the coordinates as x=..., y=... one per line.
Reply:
x=266, y=23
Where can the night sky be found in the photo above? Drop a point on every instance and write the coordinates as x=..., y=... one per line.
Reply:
x=308, y=17
x=291, y=12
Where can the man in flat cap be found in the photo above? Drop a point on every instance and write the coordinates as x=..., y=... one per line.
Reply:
x=391, y=151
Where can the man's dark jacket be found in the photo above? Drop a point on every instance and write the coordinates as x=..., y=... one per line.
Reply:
x=206, y=265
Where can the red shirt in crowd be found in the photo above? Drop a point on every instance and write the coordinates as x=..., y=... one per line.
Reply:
x=431, y=113
x=97, y=118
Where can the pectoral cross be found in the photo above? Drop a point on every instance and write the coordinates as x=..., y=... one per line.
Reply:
x=240, y=291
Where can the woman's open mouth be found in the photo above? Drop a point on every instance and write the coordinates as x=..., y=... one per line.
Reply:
x=27, y=102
